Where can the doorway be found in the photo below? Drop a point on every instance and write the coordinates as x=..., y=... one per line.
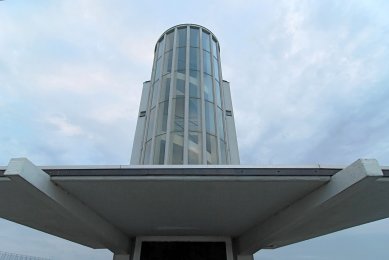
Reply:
x=151, y=250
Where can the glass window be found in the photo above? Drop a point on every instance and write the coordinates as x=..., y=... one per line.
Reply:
x=214, y=48
x=194, y=84
x=181, y=59
x=218, y=94
x=220, y=126
x=223, y=159
x=177, y=148
x=194, y=73
x=211, y=148
x=146, y=159
x=216, y=69
x=181, y=37
x=162, y=117
x=169, y=41
x=155, y=93
x=159, y=149
x=207, y=62
x=205, y=38
x=194, y=37
x=180, y=88
x=194, y=59
x=150, y=128
x=194, y=114
x=165, y=89
x=179, y=114
x=160, y=48
x=209, y=118
x=194, y=148
x=167, y=66
x=157, y=69
x=208, y=89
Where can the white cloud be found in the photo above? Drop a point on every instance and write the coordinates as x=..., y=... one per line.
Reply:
x=61, y=124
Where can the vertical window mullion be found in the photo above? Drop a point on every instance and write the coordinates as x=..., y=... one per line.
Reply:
x=186, y=127
x=170, y=109
x=203, y=130
x=215, y=102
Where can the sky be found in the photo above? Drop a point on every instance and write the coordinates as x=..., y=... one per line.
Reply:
x=309, y=82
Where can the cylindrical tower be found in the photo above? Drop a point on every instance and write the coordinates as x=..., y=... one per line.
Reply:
x=182, y=117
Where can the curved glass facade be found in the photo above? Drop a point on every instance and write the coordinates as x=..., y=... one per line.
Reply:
x=185, y=115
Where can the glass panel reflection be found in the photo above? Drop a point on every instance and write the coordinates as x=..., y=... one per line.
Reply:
x=180, y=87
x=208, y=90
x=216, y=69
x=194, y=59
x=194, y=152
x=165, y=89
x=181, y=37
x=157, y=69
x=169, y=41
x=167, y=65
x=162, y=117
x=181, y=59
x=194, y=84
x=179, y=113
x=194, y=114
x=160, y=48
x=209, y=118
x=214, y=48
x=177, y=148
x=207, y=62
x=211, y=148
x=194, y=37
x=159, y=149
x=218, y=94
x=205, y=40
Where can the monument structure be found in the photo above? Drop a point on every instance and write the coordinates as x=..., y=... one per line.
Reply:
x=185, y=196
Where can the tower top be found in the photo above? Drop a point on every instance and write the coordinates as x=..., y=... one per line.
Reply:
x=191, y=25
x=186, y=25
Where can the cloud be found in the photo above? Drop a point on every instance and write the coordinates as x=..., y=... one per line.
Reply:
x=301, y=82
x=64, y=126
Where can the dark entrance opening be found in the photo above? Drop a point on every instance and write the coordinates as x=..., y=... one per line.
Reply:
x=183, y=251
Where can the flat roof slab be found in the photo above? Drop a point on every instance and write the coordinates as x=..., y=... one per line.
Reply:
x=188, y=205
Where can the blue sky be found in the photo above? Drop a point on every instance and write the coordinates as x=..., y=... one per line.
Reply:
x=309, y=81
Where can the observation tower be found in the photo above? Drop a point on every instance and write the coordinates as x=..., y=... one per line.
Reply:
x=186, y=114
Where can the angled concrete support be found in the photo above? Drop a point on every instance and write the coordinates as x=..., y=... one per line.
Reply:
x=121, y=257
x=341, y=203
x=65, y=215
x=244, y=257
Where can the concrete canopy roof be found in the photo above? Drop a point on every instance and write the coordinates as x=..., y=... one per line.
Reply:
x=259, y=207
